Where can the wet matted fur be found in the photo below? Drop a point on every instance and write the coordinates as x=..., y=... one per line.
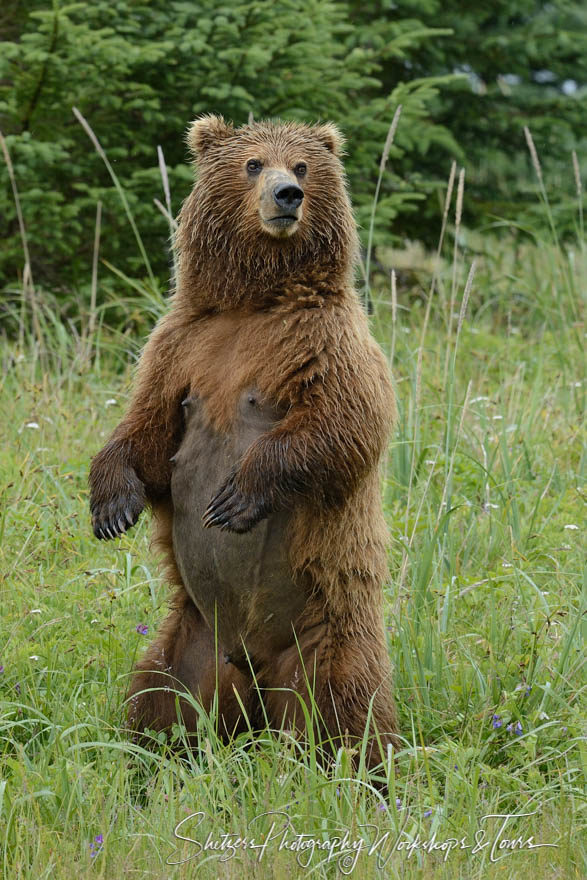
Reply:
x=261, y=410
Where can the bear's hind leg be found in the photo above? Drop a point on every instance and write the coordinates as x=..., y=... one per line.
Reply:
x=184, y=658
x=345, y=673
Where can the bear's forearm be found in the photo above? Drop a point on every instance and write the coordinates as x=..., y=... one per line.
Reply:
x=150, y=432
x=308, y=456
x=309, y=460
x=131, y=470
x=146, y=450
x=339, y=411
x=134, y=467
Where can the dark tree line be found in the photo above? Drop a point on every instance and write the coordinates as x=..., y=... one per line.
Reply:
x=468, y=78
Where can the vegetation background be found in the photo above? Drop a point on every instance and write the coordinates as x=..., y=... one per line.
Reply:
x=474, y=265
x=468, y=82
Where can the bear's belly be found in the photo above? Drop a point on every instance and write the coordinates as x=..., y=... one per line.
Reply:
x=242, y=584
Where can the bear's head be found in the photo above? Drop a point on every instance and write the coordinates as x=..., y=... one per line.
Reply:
x=269, y=204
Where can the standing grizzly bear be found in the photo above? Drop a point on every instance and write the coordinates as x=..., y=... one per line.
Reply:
x=260, y=414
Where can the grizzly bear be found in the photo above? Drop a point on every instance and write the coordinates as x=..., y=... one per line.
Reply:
x=261, y=411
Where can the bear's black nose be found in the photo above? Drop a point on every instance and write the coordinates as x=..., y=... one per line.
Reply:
x=288, y=196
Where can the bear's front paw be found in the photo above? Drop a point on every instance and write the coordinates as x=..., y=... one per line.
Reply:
x=234, y=511
x=112, y=517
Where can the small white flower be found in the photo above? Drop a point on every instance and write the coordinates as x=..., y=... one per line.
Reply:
x=33, y=425
x=544, y=717
x=35, y=611
x=506, y=565
x=572, y=527
x=479, y=399
x=110, y=402
x=497, y=418
x=95, y=620
x=33, y=657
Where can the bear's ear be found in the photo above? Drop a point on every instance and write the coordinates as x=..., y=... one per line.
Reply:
x=330, y=137
x=207, y=131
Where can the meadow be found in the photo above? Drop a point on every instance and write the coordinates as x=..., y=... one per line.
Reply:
x=482, y=489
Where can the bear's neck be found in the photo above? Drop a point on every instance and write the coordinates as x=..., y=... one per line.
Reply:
x=210, y=284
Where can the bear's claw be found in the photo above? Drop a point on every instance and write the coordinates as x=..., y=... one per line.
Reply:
x=233, y=511
x=112, y=519
x=107, y=528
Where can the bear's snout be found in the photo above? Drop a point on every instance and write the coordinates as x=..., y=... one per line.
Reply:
x=288, y=196
x=280, y=203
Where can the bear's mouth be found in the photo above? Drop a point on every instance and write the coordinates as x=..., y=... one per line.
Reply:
x=282, y=220
x=281, y=225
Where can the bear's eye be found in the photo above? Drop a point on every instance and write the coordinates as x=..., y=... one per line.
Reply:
x=254, y=166
x=300, y=169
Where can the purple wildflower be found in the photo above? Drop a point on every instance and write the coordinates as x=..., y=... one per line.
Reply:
x=427, y=813
x=497, y=722
x=382, y=807
x=142, y=629
x=17, y=687
x=96, y=845
x=398, y=803
x=1, y=669
x=515, y=728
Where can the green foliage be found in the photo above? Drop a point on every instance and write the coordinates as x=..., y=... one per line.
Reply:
x=138, y=72
x=467, y=80
x=521, y=63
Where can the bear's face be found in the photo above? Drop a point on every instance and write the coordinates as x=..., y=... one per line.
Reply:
x=270, y=186
x=279, y=195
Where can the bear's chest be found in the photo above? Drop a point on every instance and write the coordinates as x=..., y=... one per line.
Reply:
x=241, y=583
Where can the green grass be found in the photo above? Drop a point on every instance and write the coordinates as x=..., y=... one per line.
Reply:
x=483, y=607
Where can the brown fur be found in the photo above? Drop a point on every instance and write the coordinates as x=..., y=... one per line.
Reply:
x=278, y=314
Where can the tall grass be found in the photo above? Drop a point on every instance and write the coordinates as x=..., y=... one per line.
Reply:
x=483, y=603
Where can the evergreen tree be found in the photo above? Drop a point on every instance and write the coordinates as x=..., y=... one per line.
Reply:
x=139, y=72
x=521, y=63
x=468, y=80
